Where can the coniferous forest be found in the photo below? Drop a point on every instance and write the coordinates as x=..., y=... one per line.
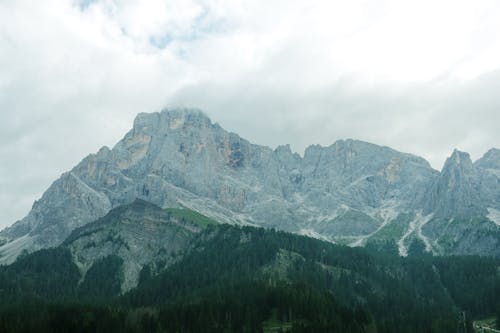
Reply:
x=253, y=280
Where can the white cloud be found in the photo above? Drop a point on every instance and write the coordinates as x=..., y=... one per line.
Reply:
x=418, y=76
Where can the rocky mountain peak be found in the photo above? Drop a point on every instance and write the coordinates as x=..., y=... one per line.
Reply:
x=490, y=160
x=104, y=151
x=283, y=149
x=458, y=157
x=170, y=120
x=455, y=192
x=456, y=166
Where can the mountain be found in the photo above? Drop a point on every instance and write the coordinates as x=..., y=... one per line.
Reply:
x=139, y=234
x=351, y=192
x=210, y=277
x=122, y=244
x=455, y=192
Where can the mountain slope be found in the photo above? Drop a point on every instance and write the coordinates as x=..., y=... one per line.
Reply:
x=139, y=234
x=238, y=279
x=111, y=251
x=350, y=192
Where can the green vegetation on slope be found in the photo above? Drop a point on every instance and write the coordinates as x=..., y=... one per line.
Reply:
x=103, y=279
x=191, y=216
x=48, y=274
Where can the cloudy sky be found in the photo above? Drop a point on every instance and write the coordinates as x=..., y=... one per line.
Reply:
x=420, y=76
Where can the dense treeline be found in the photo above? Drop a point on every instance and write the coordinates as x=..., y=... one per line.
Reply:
x=41, y=317
x=401, y=294
x=46, y=274
x=103, y=280
x=51, y=274
x=250, y=280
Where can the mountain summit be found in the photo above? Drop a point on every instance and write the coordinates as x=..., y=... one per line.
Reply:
x=455, y=192
x=350, y=192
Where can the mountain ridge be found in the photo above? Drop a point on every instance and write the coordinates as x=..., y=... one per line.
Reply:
x=347, y=192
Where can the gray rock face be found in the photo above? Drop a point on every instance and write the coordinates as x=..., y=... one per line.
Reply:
x=489, y=180
x=455, y=192
x=349, y=192
x=490, y=160
x=140, y=233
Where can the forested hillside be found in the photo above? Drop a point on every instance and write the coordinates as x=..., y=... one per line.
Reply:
x=244, y=279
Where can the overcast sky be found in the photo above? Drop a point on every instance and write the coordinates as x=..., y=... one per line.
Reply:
x=420, y=76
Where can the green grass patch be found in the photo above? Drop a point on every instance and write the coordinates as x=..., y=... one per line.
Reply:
x=191, y=216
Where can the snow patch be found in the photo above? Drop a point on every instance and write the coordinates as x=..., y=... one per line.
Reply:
x=313, y=234
x=494, y=215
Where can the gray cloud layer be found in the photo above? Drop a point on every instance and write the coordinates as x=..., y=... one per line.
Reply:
x=74, y=74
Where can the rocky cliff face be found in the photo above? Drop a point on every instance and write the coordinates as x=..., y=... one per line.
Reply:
x=456, y=192
x=350, y=192
x=140, y=233
x=489, y=180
